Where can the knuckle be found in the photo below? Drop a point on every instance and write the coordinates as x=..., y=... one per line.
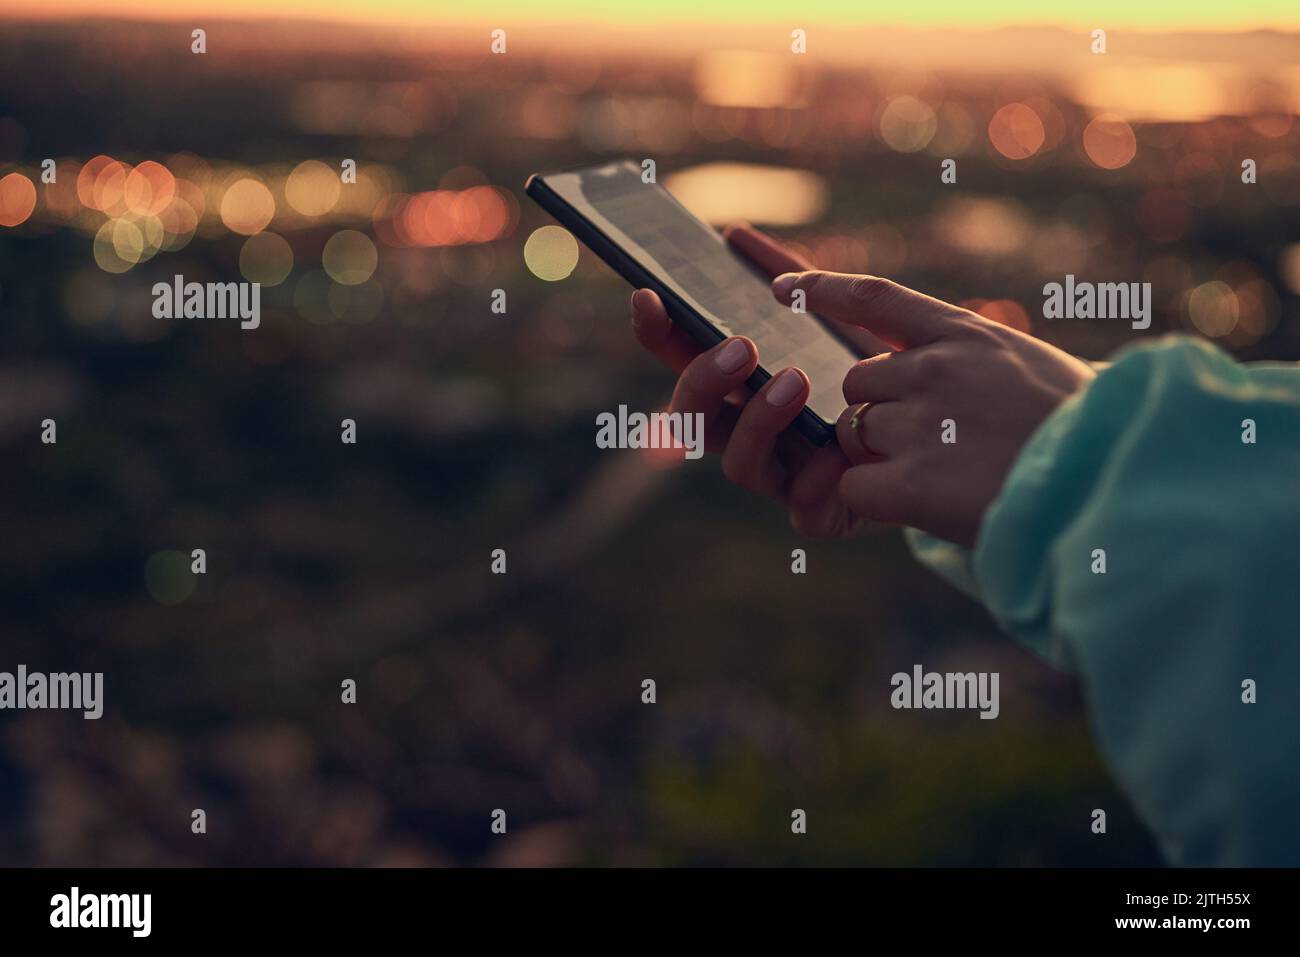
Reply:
x=810, y=281
x=864, y=367
x=930, y=363
x=870, y=290
x=855, y=378
x=974, y=327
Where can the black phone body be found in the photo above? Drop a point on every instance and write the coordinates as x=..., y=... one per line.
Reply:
x=651, y=240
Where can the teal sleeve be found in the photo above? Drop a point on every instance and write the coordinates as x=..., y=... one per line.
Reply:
x=1200, y=531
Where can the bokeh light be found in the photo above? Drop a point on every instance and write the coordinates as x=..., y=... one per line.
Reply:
x=266, y=258
x=119, y=244
x=148, y=189
x=247, y=207
x=991, y=227
x=551, y=253
x=108, y=192
x=1016, y=131
x=153, y=233
x=744, y=78
x=907, y=124
x=1109, y=141
x=478, y=214
x=721, y=193
x=312, y=188
x=1257, y=311
x=1006, y=312
x=86, y=177
x=350, y=257
x=17, y=199
x=1213, y=309
x=1185, y=92
x=179, y=220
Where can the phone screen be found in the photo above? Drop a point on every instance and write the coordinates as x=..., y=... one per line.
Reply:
x=694, y=261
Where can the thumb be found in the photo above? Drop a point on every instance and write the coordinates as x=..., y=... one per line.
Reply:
x=901, y=316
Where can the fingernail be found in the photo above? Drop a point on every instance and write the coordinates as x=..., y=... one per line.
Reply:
x=783, y=283
x=731, y=356
x=641, y=300
x=785, y=386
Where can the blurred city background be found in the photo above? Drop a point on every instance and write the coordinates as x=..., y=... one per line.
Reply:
x=371, y=562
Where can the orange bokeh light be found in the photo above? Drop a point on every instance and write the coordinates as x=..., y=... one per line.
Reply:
x=17, y=199
x=408, y=220
x=109, y=189
x=148, y=189
x=443, y=217
x=1109, y=141
x=1006, y=312
x=447, y=217
x=247, y=207
x=439, y=228
x=1016, y=131
x=86, y=179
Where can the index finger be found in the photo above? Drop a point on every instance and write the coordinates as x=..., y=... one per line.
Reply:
x=901, y=316
x=771, y=257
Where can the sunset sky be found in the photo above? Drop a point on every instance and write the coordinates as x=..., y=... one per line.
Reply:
x=1150, y=14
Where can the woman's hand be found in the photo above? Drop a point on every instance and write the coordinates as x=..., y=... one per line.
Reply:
x=899, y=459
x=933, y=428
x=750, y=431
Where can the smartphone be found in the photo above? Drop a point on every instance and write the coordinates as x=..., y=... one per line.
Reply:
x=651, y=240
